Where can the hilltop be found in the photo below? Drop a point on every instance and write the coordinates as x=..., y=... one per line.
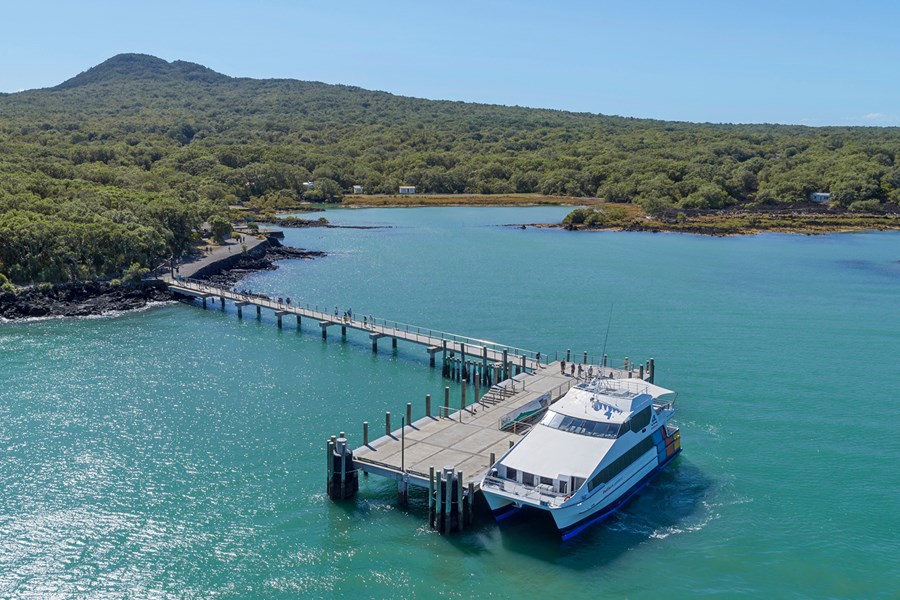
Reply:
x=138, y=151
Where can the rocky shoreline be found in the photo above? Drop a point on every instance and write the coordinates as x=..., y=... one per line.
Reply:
x=80, y=299
x=94, y=298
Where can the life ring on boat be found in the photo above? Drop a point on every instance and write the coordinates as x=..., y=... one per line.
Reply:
x=566, y=499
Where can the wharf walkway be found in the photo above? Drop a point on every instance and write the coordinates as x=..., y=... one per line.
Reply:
x=463, y=357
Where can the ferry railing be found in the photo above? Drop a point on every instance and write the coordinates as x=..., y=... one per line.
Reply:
x=538, y=492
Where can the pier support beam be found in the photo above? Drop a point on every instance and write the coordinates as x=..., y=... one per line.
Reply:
x=393, y=342
x=343, y=478
x=240, y=308
x=324, y=325
x=344, y=331
x=258, y=311
x=278, y=315
x=374, y=337
x=432, y=350
x=222, y=302
x=298, y=322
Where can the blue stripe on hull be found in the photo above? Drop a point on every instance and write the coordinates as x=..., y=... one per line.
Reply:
x=576, y=528
x=505, y=511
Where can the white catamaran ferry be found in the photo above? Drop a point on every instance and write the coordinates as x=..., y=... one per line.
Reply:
x=594, y=449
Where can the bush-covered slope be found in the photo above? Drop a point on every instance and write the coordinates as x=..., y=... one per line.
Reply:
x=120, y=162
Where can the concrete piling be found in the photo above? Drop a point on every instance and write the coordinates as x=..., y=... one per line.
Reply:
x=365, y=433
x=604, y=360
x=343, y=477
x=408, y=413
x=462, y=401
x=446, y=400
x=584, y=360
x=427, y=405
x=387, y=423
x=258, y=311
x=568, y=356
x=393, y=342
x=652, y=370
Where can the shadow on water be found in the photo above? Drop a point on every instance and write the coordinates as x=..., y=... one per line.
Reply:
x=675, y=502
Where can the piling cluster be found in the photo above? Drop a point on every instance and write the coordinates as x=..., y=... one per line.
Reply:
x=450, y=506
x=343, y=477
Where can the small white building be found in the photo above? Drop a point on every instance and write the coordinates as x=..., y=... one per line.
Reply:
x=407, y=189
x=820, y=197
x=309, y=185
x=357, y=189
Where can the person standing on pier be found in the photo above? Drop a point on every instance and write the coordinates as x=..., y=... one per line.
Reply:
x=562, y=367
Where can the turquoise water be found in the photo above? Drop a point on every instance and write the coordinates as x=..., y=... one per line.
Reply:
x=180, y=452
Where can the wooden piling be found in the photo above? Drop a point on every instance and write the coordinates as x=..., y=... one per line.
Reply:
x=652, y=370
x=431, y=499
x=584, y=360
x=569, y=355
x=604, y=360
x=471, y=511
x=460, y=516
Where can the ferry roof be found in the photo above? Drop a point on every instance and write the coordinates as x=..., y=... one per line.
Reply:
x=550, y=452
x=609, y=400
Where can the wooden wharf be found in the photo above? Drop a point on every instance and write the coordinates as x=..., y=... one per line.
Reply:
x=450, y=448
x=462, y=357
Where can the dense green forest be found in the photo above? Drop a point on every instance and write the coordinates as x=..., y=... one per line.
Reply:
x=122, y=163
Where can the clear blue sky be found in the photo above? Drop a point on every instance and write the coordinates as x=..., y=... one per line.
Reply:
x=811, y=62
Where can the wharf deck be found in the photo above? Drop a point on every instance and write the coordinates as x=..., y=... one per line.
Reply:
x=463, y=439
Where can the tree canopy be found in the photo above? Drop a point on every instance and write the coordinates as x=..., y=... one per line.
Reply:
x=120, y=164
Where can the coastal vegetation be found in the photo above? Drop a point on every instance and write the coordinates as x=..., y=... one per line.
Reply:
x=125, y=163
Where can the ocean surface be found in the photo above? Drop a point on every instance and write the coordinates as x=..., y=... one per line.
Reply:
x=177, y=452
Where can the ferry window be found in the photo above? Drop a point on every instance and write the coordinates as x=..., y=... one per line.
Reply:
x=511, y=473
x=527, y=479
x=563, y=487
x=546, y=481
x=640, y=420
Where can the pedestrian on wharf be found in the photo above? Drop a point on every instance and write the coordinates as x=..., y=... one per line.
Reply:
x=591, y=372
x=562, y=366
x=573, y=369
x=580, y=371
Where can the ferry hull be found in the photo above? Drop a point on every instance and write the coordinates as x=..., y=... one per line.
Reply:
x=571, y=523
x=573, y=519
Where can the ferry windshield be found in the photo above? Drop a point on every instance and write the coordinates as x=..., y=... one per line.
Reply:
x=581, y=426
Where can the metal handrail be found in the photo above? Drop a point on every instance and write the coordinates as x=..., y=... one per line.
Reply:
x=415, y=332
x=522, y=490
